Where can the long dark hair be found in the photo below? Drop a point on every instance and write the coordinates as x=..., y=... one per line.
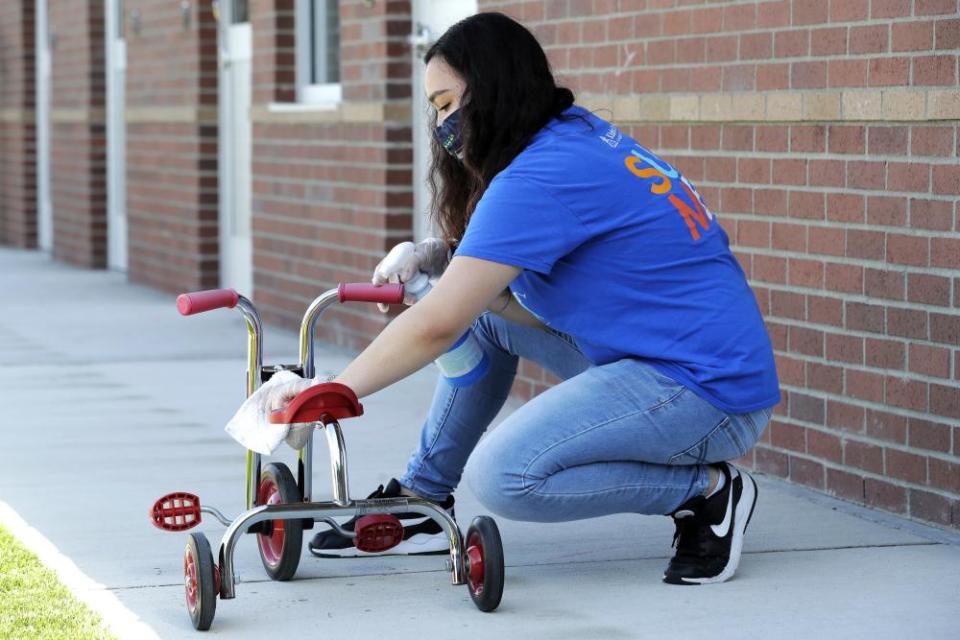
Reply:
x=510, y=95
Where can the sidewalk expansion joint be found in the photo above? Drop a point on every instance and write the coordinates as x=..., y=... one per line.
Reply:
x=546, y=564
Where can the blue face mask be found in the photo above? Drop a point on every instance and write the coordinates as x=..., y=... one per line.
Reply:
x=449, y=136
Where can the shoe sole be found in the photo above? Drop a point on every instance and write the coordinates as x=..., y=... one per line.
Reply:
x=749, y=496
x=421, y=544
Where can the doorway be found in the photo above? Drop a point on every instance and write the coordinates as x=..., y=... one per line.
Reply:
x=430, y=19
x=235, y=148
x=116, y=53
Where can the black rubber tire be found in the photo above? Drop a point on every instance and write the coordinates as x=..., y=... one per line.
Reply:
x=484, y=530
x=206, y=597
x=292, y=545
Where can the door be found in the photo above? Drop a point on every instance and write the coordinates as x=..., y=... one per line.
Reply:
x=116, y=52
x=430, y=19
x=44, y=202
x=236, y=243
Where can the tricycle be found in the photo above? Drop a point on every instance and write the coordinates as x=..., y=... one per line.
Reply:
x=279, y=506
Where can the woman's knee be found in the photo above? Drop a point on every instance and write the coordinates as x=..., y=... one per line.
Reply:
x=496, y=479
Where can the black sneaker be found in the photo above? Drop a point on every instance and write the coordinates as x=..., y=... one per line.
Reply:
x=421, y=535
x=709, y=531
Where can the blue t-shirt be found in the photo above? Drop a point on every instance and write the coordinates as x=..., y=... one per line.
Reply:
x=619, y=251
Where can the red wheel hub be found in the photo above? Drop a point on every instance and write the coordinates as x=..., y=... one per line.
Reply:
x=190, y=580
x=475, y=564
x=271, y=545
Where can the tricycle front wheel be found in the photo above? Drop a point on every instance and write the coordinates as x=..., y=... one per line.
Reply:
x=280, y=545
x=200, y=581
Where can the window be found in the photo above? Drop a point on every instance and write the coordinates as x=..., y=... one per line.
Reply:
x=318, y=51
x=241, y=11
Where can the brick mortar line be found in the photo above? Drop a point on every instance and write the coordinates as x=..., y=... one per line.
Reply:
x=904, y=374
x=950, y=161
x=344, y=207
x=844, y=434
x=309, y=261
x=854, y=262
x=190, y=205
x=772, y=252
x=902, y=413
x=902, y=305
x=773, y=30
x=815, y=223
x=377, y=187
x=878, y=192
x=338, y=163
x=336, y=203
x=162, y=261
x=193, y=224
x=335, y=163
x=171, y=171
x=377, y=232
x=377, y=255
x=903, y=484
x=571, y=72
x=863, y=368
x=692, y=7
x=840, y=466
x=324, y=143
x=334, y=145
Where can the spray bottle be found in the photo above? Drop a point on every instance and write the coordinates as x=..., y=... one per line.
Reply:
x=463, y=363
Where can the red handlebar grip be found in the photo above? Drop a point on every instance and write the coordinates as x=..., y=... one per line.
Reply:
x=363, y=292
x=200, y=301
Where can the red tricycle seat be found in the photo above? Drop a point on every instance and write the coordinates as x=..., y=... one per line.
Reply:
x=320, y=403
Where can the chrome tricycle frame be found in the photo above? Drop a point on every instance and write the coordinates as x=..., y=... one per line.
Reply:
x=308, y=511
x=278, y=507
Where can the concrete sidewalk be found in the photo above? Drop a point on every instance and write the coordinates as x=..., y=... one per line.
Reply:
x=110, y=399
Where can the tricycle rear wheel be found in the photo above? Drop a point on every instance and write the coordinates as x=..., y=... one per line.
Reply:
x=280, y=545
x=484, y=551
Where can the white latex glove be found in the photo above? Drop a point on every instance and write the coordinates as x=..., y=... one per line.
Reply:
x=251, y=425
x=404, y=261
x=281, y=395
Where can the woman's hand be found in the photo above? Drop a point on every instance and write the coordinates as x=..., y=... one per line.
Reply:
x=404, y=261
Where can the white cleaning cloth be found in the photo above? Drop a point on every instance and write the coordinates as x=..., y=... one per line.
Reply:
x=251, y=426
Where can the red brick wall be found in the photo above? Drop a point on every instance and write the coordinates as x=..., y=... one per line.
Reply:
x=172, y=201
x=77, y=163
x=332, y=191
x=842, y=208
x=18, y=220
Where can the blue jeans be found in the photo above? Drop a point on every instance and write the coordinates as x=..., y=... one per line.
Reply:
x=615, y=438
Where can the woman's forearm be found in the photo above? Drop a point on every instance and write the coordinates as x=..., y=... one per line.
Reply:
x=402, y=348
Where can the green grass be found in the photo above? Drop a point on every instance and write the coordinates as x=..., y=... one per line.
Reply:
x=33, y=603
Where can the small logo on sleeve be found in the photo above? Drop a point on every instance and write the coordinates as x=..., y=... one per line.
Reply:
x=612, y=137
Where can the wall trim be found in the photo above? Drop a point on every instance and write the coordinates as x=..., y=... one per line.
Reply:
x=881, y=105
x=342, y=112
x=17, y=116
x=206, y=115
x=78, y=116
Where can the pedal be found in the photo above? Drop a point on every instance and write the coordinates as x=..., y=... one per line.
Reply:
x=377, y=532
x=177, y=511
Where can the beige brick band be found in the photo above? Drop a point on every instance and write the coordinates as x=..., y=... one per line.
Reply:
x=77, y=116
x=888, y=105
x=347, y=112
x=16, y=116
x=172, y=115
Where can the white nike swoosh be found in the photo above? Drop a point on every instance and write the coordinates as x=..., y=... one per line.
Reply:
x=722, y=529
